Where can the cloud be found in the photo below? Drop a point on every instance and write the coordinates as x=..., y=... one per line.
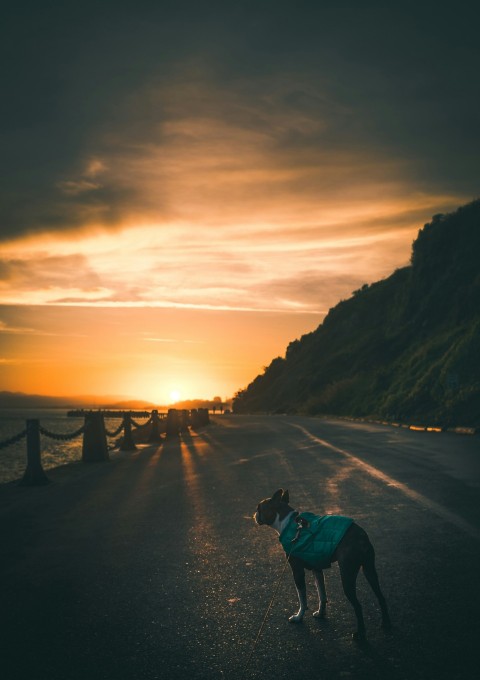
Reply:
x=240, y=111
x=216, y=171
x=224, y=164
x=312, y=290
x=174, y=341
x=44, y=271
x=74, y=188
x=7, y=329
x=266, y=266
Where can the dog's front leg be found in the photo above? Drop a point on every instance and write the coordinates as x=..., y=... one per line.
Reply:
x=322, y=594
x=299, y=578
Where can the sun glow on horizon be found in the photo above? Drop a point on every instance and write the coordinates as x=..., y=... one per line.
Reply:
x=194, y=298
x=175, y=396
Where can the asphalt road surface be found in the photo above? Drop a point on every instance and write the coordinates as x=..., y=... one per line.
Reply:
x=151, y=567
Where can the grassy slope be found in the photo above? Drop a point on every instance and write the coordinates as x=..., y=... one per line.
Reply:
x=407, y=346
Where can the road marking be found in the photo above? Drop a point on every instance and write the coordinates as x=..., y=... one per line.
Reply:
x=406, y=490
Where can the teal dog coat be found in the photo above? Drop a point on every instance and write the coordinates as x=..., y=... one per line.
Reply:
x=316, y=540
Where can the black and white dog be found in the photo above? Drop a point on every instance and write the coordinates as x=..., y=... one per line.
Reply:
x=352, y=551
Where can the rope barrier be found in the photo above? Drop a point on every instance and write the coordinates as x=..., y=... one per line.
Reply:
x=137, y=425
x=13, y=440
x=62, y=437
x=95, y=433
x=116, y=432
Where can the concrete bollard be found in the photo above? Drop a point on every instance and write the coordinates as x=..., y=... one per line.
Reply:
x=194, y=418
x=34, y=474
x=183, y=420
x=127, y=442
x=94, y=447
x=173, y=423
x=155, y=430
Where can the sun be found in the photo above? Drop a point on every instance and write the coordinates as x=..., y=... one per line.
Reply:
x=175, y=396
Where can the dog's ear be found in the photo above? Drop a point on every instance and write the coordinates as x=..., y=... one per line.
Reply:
x=285, y=496
x=277, y=496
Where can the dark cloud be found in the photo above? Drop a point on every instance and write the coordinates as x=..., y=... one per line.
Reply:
x=370, y=79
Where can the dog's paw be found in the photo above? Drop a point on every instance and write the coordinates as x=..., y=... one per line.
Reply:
x=296, y=618
x=320, y=613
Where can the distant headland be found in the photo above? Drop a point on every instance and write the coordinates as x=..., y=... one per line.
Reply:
x=19, y=400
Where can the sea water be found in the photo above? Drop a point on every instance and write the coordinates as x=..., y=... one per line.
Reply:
x=13, y=458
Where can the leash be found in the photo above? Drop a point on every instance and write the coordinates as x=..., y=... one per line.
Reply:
x=262, y=625
x=300, y=526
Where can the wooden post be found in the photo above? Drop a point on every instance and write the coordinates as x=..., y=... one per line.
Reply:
x=127, y=442
x=94, y=448
x=34, y=474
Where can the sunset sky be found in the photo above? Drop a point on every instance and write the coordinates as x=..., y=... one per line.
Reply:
x=189, y=186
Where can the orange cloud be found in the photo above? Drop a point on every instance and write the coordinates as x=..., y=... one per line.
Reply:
x=220, y=224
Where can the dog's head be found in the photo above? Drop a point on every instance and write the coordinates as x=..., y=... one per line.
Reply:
x=269, y=508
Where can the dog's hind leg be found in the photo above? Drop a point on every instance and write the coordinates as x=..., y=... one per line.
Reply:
x=348, y=573
x=322, y=594
x=372, y=577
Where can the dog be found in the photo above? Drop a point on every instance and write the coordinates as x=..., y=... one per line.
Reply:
x=345, y=542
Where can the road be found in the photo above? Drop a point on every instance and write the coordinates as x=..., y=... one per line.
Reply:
x=151, y=567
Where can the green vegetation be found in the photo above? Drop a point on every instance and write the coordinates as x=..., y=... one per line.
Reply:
x=404, y=348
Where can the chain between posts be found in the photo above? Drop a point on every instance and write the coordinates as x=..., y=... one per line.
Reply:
x=126, y=424
x=52, y=435
x=137, y=425
x=62, y=437
x=13, y=440
x=115, y=432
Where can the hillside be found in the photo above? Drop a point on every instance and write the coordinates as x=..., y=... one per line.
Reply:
x=406, y=347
